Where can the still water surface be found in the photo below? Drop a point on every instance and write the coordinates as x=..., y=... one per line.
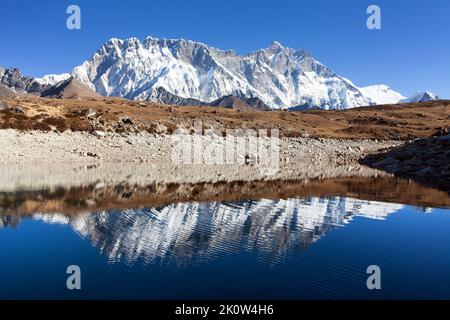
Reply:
x=305, y=247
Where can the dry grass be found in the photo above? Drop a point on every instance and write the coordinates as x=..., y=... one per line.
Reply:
x=403, y=121
x=58, y=122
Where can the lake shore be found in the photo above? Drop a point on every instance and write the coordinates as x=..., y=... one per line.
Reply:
x=32, y=158
x=48, y=141
x=107, y=197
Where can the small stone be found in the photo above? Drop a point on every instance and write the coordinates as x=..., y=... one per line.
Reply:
x=92, y=154
x=126, y=120
x=17, y=109
x=99, y=133
x=90, y=202
x=99, y=185
x=88, y=112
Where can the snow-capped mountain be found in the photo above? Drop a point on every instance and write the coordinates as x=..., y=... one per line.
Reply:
x=279, y=76
x=382, y=94
x=422, y=96
x=52, y=79
x=171, y=70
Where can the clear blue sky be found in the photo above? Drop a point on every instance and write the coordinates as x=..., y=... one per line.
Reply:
x=410, y=53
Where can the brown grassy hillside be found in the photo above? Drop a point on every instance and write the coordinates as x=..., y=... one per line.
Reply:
x=403, y=121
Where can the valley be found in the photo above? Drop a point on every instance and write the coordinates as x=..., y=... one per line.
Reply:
x=313, y=144
x=196, y=157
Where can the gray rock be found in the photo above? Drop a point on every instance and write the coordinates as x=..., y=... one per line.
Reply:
x=413, y=162
x=90, y=202
x=88, y=112
x=92, y=154
x=126, y=120
x=444, y=138
x=426, y=172
x=393, y=168
x=386, y=162
x=14, y=79
x=17, y=109
x=99, y=133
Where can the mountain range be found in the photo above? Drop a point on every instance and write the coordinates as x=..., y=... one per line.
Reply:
x=184, y=72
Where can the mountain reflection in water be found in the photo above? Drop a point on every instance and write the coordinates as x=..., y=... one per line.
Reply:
x=195, y=232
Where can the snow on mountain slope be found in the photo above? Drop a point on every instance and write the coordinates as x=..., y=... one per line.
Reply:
x=422, y=96
x=381, y=94
x=52, y=79
x=186, y=71
x=281, y=77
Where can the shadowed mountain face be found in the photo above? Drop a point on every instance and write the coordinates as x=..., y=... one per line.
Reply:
x=230, y=101
x=12, y=81
x=422, y=96
x=163, y=96
x=13, y=78
x=240, y=103
x=70, y=89
x=6, y=93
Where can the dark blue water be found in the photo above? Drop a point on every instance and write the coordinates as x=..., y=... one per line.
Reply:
x=300, y=248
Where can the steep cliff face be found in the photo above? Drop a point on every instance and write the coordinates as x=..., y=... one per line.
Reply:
x=280, y=77
x=184, y=72
x=14, y=79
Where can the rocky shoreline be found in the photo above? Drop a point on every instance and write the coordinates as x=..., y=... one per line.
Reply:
x=424, y=160
x=31, y=158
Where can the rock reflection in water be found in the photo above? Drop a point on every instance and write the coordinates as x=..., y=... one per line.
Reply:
x=195, y=232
